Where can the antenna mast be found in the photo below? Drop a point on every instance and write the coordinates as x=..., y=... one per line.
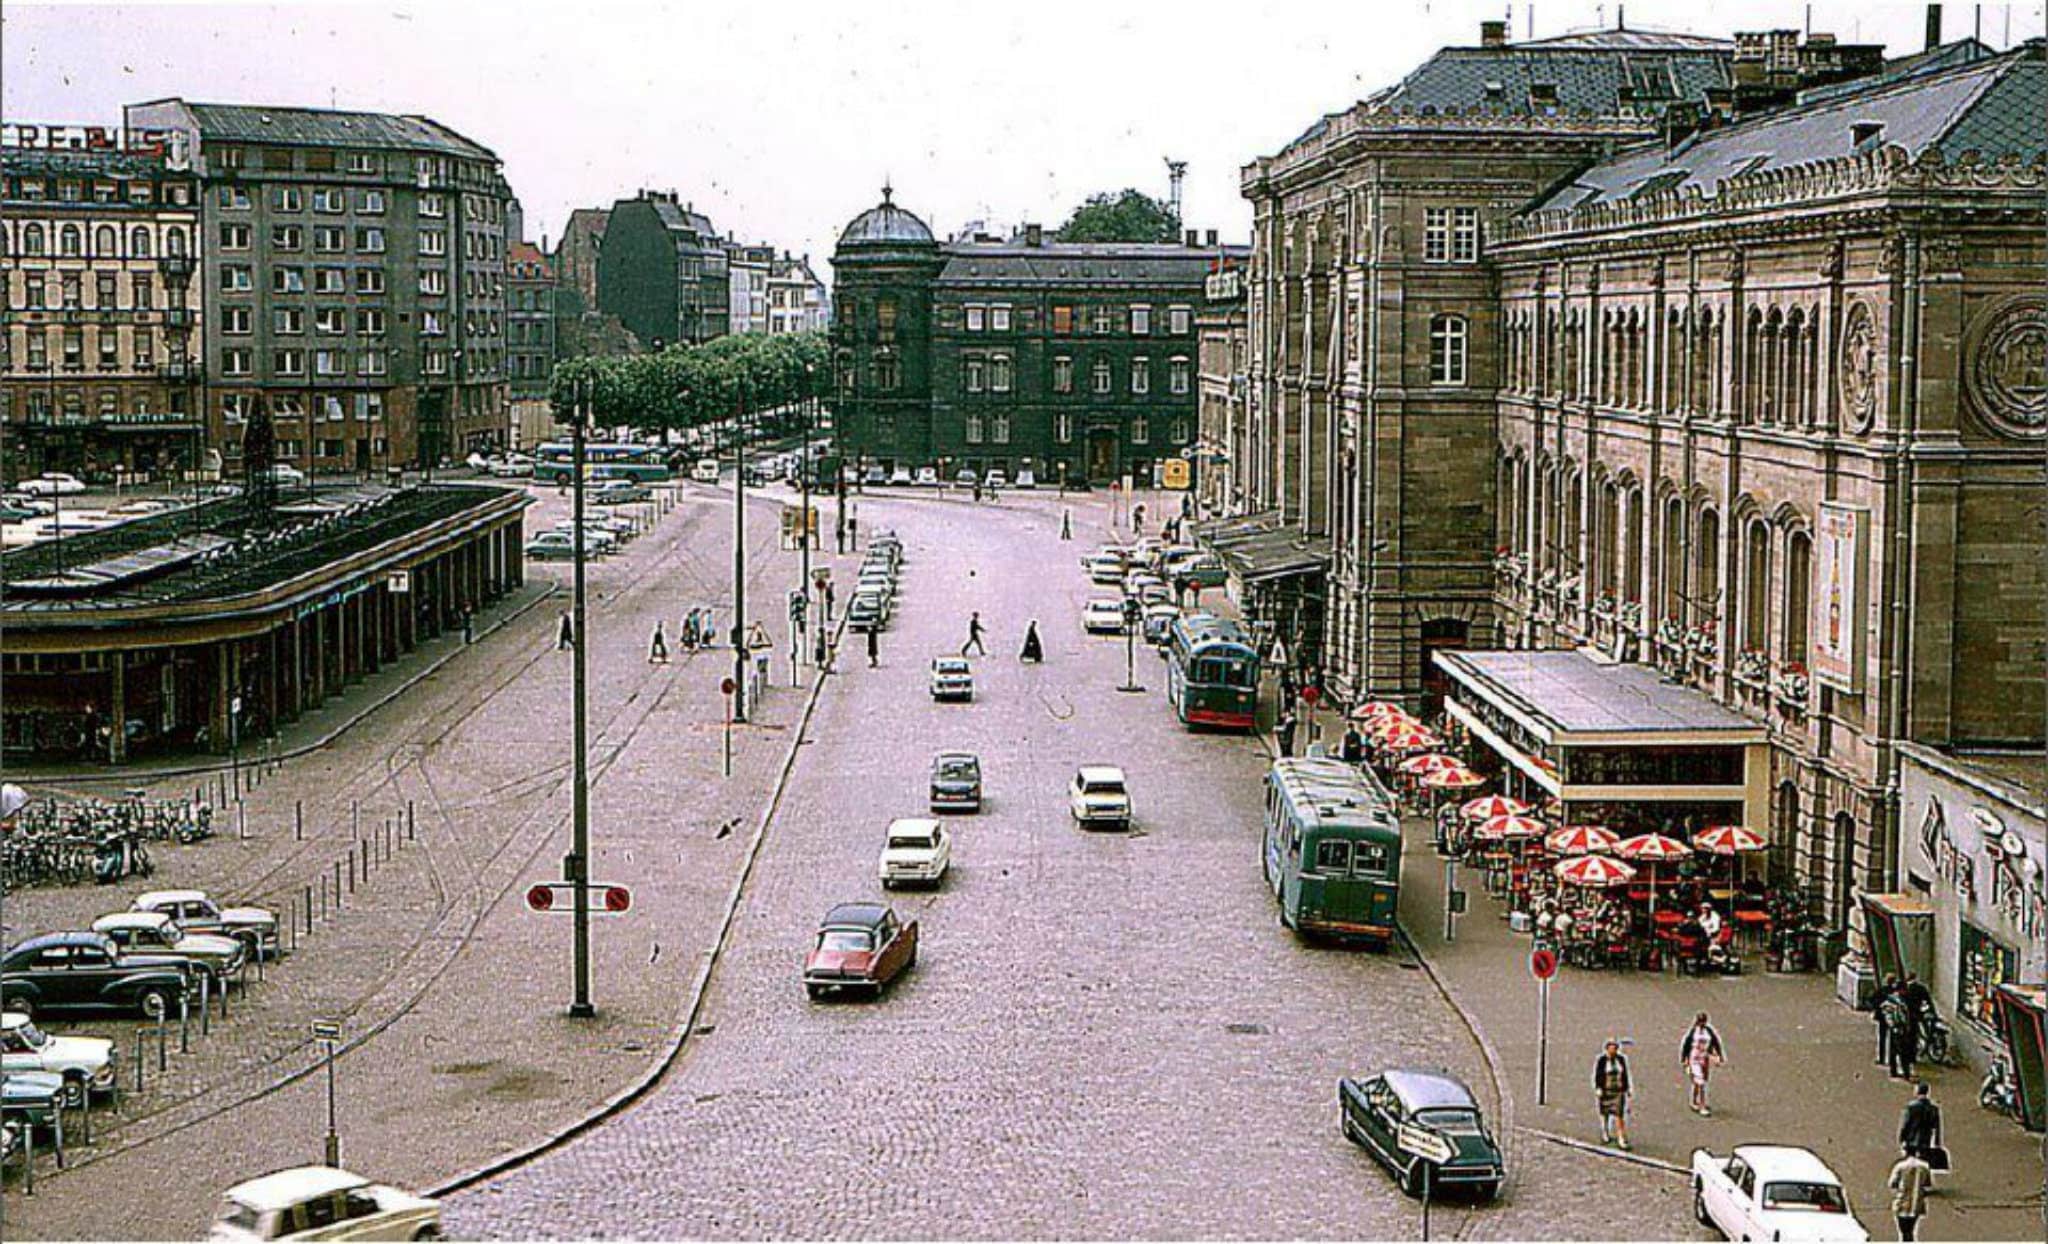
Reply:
x=1176, y=170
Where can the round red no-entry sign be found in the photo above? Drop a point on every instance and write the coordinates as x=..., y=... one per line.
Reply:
x=1543, y=963
x=726, y=685
x=1310, y=694
x=540, y=897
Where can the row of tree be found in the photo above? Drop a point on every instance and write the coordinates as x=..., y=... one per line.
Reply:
x=690, y=386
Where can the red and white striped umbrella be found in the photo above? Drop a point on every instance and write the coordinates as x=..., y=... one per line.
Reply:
x=1386, y=722
x=1505, y=827
x=1376, y=709
x=1410, y=738
x=1652, y=848
x=1430, y=762
x=1580, y=840
x=1487, y=807
x=1454, y=779
x=1728, y=840
x=1594, y=870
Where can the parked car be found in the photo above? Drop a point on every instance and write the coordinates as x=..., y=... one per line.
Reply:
x=927, y=477
x=12, y=513
x=1026, y=478
x=1374, y=1111
x=902, y=475
x=36, y=506
x=1137, y=581
x=1103, y=616
x=86, y=1064
x=859, y=946
x=551, y=546
x=995, y=479
x=916, y=852
x=1099, y=795
x=153, y=932
x=706, y=471
x=867, y=612
x=1159, y=620
x=87, y=971
x=874, y=474
x=52, y=484
x=956, y=782
x=597, y=541
x=1771, y=1192
x=323, y=1203
x=1103, y=570
x=952, y=679
x=32, y=1099
x=1201, y=571
x=965, y=477
x=285, y=475
x=512, y=466
x=619, y=492
x=196, y=913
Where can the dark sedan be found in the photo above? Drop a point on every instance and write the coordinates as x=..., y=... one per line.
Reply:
x=87, y=971
x=956, y=782
x=1434, y=1105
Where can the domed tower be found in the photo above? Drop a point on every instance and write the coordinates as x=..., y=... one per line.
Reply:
x=882, y=274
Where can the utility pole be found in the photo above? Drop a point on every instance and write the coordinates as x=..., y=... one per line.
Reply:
x=576, y=867
x=803, y=582
x=739, y=558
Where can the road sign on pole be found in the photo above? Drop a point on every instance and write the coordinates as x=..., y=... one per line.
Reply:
x=1543, y=966
x=1543, y=963
x=559, y=897
x=1430, y=1151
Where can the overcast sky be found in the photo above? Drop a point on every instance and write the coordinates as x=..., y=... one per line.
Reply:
x=782, y=118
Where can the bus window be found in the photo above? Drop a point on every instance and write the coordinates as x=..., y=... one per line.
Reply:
x=1370, y=860
x=1333, y=857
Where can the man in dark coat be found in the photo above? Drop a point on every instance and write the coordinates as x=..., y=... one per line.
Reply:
x=1889, y=989
x=1920, y=1125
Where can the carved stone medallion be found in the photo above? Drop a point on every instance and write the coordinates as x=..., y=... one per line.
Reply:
x=2006, y=365
x=1859, y=365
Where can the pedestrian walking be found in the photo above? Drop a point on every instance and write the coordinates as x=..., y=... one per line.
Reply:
x=1283, y=731
x=1885, y=993
x=1920, y=1128
x=1137, y=520
x=1903, y=1039
x=1699, y=1053
x=1352, y=749
x=1612, y=1087
x=657, y=647
x=974, y=635
x=853, y=530
x=565, y=634
x=977, y=490
x=874, y=647
x=1910, y=1179
x=1066, y=524
x=468, y=625
x=828, y=602
x=1034, y=651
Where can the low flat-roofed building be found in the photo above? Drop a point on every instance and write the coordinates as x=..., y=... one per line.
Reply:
x=205, y=626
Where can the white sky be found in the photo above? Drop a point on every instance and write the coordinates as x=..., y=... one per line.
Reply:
x=782, y=118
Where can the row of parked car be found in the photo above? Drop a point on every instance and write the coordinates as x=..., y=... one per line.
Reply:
x=603, y=535
x=1152, y=575
x=874, y=592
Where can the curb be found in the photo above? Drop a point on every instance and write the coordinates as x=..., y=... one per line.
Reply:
x=1491, y=1055
x=131, y=776
x=1607, y=1151
x=672, y=1051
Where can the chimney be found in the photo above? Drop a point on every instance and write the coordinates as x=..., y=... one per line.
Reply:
x=1493, y=34
x=1192, y=238
x=1210, y=238
x=1034, y=235
x=1933, y=26
x=1863, y=133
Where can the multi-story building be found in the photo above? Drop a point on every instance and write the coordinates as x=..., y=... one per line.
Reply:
x=747, y=269
x=99, y=238
x=354, y=281
x=576, y=257
x=797, y=301
x=662, y=270
x=1220, y=353
x=1726, y=356
x=529, y=341
x=1072, y=360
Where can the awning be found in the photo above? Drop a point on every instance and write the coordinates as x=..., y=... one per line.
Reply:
x=1565, y=696
x=1274, y=555
x=1216, y=532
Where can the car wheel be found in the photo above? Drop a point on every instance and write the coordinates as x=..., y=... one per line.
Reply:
x=153, y=1002
x=1490, y=1190
x=74, y=1089
x=1699, y=1205
x=432, y=1231
x=1411, y=1179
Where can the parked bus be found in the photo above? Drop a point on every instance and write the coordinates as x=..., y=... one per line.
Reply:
x=1332, y=849
x=553, y=463
x=1212, y=672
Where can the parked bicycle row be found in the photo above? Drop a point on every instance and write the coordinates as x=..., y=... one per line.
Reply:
x=57, y=844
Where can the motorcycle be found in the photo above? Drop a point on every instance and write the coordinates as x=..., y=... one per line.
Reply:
x=1998, y=1093
x=1934, y=1039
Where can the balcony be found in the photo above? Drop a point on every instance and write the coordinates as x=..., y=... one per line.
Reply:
x=175, y=267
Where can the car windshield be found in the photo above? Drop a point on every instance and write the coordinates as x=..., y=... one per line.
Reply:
x=1102, y=786
x=241, y=1217
x=1801, y=1194
x=31, y=1036
x=845, y=939
x=1449, y=1118
x=911, y=842
x=954, y=666
x=957, y=770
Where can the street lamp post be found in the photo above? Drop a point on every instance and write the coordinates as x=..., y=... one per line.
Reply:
x=739, y=557
x=803, y=582
x=576, y=868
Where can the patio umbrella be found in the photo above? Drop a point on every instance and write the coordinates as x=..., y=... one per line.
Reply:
x=1595, y=870
x=1408, y=739
x=1508, y=827
x=1580, y=840
x=1731, y=841
x=1489, y=806
x=1390, y=722
x=1428, y=763
x=1652, y=849
x=1375, y=709
x=1453, y=779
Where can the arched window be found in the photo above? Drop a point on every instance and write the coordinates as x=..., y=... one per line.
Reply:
x=1675, y=333
x=1798, y=594
x=138, y=242
x=1573, y=511
x=1631, y=586
x=106, y=243
x=1706, y=563
x=1606, y=569
x=1756, y=587
x=32, y=239
x=1447, y=334
x=174, y=242
x=71, y=241
x=1672, y=560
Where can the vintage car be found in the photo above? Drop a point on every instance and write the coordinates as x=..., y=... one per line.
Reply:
x=87, y=971
x=32, y=1099
x=86, y=1064
x=928, y=477
x=868, y=611
x=1100, y=796
x=1771, y=1192
x=155, y=932
x=860, y=946
x=952, y=679
x=196, y=913
x=916, y=852
x=956, y=782
x=1159, y=620
x=1104, y=570
x=1200, y=571
x=619, y=492
x=52, y=484
x=551, y=546
x=1374, y=1110
x=1103, y=616
x=322, y=1203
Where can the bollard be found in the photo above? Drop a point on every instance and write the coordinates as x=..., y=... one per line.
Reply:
x=351, y=872
x=85, y=1115
x=355, y=818
x=411, y=833
x=298, y=820
x=309, y=910
x=222, y=990
x=205, y=1006
x=337, y=884
x=139, y=1081
x=241, y=820
x=184, y=1023
x=163, y=1032
x=60, y=1136
x=28, y=1164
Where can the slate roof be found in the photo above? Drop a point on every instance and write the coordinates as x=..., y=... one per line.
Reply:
x=1587, y=71
x=1994, y=107
x=677, y=218
x=1096, y=263
x=324, y=127
x=1568, y=692
x=46, y=162
x=886, y=224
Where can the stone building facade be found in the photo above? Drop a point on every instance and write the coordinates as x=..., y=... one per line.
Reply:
x=1223, y=430
x=99, y=240
x=576, y=255
x=529, y=341
x=354, y=281
x=797, y=300
x=662, y=270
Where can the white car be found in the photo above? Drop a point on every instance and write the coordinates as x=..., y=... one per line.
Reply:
x=52, y=484
x=596, y=539
x=86, y=1063
x=1025, y=478
x=916, y=853
x=287, y=475
x=322, y=1203
x=1771, y=1192
x=706, y=471
x=995, y=479
x=197, y=913
x=952, y=679
x=512, y=466
x=1103, y=616
x=1099, y=795
x=902, y=475
x=154, y=933
x=1104, y=570
x=928, y=477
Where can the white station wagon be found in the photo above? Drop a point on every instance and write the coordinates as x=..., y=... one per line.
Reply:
x=917, y=852
x=1771, y=1192
x=86, y=1063
x=1100, y=796
x=322, y=1203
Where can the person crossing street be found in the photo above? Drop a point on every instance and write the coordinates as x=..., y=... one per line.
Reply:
x=1612, y=1086
x=565, y=634
x=974, y=635
x=657, y=647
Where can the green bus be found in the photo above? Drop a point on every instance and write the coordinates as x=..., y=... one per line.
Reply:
x=1333, y=850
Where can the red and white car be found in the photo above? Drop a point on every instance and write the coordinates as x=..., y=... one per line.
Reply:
x=860, y=946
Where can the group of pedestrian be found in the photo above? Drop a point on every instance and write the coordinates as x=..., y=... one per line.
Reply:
x=1902, y=1007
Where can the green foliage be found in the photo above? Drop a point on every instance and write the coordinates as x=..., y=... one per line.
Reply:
x=1132, y=216
x=684, y=387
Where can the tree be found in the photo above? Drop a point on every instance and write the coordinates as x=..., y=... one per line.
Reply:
x=684, y=387
x=1132, y=216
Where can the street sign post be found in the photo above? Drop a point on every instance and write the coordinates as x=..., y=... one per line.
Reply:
x=328, y=1031
x=726, y=686
x=1543, y=966
x=1431, y=1151
x=559, y=897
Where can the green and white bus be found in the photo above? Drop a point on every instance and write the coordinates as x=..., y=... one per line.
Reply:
x=1332, y=850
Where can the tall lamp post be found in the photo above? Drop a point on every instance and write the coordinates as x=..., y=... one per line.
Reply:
x=739, y=556
x=576, y=866
x=804, y=479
